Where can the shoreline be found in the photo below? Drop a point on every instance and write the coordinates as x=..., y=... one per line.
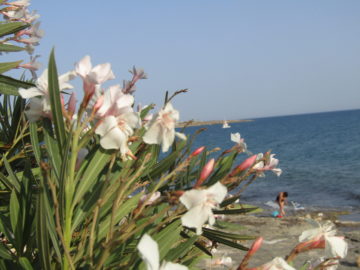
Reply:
x=281, y=235
x=193, y=123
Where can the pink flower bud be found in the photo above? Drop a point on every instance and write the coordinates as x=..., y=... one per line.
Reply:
x=62, y=100
x=197, y=151
x=72, y=103
x=206, y=171
x=247, y=163
x=99, y=103
x=255, y=246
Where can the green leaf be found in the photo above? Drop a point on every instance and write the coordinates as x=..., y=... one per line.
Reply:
x=4, y=252
x=221, y=240
x=231, y=200
x=235, y=211
x=181, y=249
x=95, y=164
x=232, y=236
x=10, y=48
x=123, y=211
x=5, y=227
x=16, y=219
x=56, y=108
x=6, y=181
x=12, y=177
x=223, y=167
x=6, y=66
x=42, y=235
x=14, y=82
x=167, y=237
x=11, y=28
x=228, y=225
x=25, y=264
x=52, y=147
x=35, y=142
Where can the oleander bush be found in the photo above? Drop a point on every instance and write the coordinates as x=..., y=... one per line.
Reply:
x=98, y=184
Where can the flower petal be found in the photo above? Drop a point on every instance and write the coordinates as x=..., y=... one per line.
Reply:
x=235, y=137
x=335, y=246
x=34, y=110
x=149, y=252
x=30, y=92
x=309, y=234
x=196, y=217
x=111, y=136
x=101, y=73
x=193, y=198
x=83, y=67
x=167, y=139
x=154, y=134
x=218, y=192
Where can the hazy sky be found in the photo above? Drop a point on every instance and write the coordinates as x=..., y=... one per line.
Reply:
x=240, y=59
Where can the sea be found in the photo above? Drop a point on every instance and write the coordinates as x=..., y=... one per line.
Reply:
x=319, y=154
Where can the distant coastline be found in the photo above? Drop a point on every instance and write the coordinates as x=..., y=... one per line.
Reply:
x=193, y=123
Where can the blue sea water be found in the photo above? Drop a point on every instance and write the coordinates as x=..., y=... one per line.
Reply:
x=319, y=155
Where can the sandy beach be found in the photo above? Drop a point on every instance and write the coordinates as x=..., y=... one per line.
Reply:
x=281, y=235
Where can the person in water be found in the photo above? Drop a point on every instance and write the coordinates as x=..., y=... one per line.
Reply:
x=281, y=200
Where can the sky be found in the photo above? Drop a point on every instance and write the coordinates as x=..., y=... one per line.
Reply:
x=239, y=59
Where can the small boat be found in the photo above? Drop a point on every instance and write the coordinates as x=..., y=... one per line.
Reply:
x=225, y=124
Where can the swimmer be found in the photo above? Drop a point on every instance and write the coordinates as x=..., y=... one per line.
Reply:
x=281, y=200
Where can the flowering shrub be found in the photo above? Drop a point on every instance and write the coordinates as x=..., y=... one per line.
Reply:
x=85, y=186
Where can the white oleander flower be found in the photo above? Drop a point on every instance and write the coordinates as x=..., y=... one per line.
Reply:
x=162, y=128
x=116, y=102
x=200, y=203
x=93, y=76
x=269, y=165
x=236, y=138
x=118, y=120
x=39, y=99
x=149, y=252
x=335, y=246
x=277, y=264
x=115, y=131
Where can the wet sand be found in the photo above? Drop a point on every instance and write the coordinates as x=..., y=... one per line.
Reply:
x=281, y=235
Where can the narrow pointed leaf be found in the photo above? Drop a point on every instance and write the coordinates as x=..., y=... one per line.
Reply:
x=167, y=237
x=16, y=218
x=35, y=142
x=235, y=211
x=25, y=264
x=124, y=210
x=4, y=252
x=232, y=236
x=6, y=66
x=52, y=147
x=181, y=250
x=10, y=48
x=224, y=241
x=96, y=164
x=15, y=83
x=12, y=177
x=56, y=108
x=6, y=181
x=41, y=233
x=11, y=28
